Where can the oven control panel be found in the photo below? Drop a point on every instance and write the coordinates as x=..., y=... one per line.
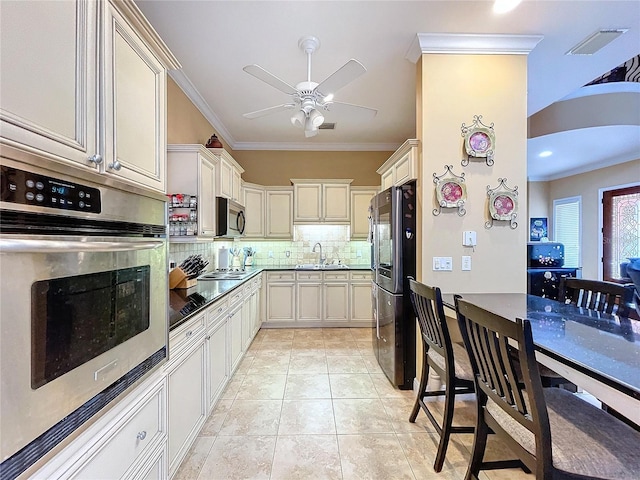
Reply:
x=28, y=188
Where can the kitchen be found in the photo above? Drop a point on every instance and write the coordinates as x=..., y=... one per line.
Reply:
x=270, y=172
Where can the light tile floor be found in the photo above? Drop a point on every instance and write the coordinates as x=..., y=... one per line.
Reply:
x=314, y=404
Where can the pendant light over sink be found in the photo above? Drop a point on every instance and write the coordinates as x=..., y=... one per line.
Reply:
x=310, y=99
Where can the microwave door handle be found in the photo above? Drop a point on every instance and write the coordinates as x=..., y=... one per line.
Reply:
x=24, y=245
x=240, y=224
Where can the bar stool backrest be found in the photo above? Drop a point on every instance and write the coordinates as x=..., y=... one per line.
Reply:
x=607, y=297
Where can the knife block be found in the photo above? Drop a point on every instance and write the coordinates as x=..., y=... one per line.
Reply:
x=178, y=279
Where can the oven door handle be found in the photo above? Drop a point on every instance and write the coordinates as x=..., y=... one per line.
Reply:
x=30, y=245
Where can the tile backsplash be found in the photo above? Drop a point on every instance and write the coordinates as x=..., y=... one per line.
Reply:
x=336, y=247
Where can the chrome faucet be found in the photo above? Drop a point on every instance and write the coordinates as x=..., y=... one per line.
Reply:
x=322, y=259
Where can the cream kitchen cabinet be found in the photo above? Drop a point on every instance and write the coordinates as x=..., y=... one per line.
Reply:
x=360, y=298
x=321, y=201
x=402, y=166
x=218, y=374
x=129, y=441
x=254, y=206
x=279, y=212
x=309, y=296
x=188, y=402
x=95, y=97
x=360, y=201
x=229, y=175
x=281, y=297
x=191, y=169
x=335, y=296
x=235, y=336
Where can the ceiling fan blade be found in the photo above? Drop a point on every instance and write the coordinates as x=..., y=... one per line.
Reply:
x=269, y=111
x=338, y=79
x=261, y=74
x=350, y=107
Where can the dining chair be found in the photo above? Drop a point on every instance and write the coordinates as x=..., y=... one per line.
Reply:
x=449, y=360
x=553, y=432
x=598, y=295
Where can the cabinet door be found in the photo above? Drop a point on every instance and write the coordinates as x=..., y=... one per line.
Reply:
x=236, y=183
x=309, y=301
x=217, y=355
x=206, y=209
x=387, y=179
x=255, y=212
x=336, y=302
x=335, y=203
x=48, y=86
x=360, y=201
x=279, y=214
x=281, y=302
x=247, y=324
x=235, y=332
x=225, y=185
x=307, y=199
x=187, y=402
x=403, y=170
x=135, y=95
x=361, y=306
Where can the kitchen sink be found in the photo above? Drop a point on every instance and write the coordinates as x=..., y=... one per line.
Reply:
x=318, y=266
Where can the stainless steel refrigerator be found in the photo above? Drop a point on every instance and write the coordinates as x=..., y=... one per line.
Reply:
x=393, y=235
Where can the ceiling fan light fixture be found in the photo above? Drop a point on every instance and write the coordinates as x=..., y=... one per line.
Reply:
x=298, y=118
x=316, y=118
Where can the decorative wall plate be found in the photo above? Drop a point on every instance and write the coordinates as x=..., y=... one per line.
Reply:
x=503, y=204
x=451, y=191
x=479, y=140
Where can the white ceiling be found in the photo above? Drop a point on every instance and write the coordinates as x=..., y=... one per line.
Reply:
x=214, y=40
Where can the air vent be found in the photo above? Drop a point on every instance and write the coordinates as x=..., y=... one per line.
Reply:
x=596, y=41
x=327, y=126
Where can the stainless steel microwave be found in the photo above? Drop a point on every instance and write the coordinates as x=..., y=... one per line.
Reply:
x=231, y=218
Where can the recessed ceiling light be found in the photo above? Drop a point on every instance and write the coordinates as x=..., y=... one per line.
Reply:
x=504, y=6
x=546, y=153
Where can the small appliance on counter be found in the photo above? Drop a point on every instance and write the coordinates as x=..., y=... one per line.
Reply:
x=545, y=268
x=184, y=275
x=223, y=258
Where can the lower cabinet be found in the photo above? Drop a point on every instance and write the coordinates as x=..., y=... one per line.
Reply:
x=281, y=297
x=235, y=334
x=188, y=403
x=216, y=341
x=336, y=301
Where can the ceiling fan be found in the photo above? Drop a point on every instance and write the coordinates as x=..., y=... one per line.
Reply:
x=309, y=99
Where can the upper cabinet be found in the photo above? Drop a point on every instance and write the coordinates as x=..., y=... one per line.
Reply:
x=254, y=208
x=321, y=201
x=279, y=212
x=191, y=170
x=360, y=201
x=96, y=96
x=229, y=175
x=402, y=166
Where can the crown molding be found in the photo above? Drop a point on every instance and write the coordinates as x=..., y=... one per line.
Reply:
x=470, y=43
x=319, y=147
x=192, y=93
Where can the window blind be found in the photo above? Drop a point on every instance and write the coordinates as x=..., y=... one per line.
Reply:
x=567, y=228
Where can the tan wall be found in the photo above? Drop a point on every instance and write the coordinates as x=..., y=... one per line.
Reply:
x=277, y=167
x=454, y=89
x=538, y=201
x=588, y=185
x=185, y=124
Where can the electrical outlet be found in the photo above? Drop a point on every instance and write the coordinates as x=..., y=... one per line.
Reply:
x=270, y=254
x=287, y=253
x=359, y=253
x=466, y=262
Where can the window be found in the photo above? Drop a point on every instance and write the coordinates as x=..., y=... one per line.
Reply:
x=620, y=229
x=567, y=225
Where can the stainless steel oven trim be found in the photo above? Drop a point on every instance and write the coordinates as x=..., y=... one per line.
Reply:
x=17, y=244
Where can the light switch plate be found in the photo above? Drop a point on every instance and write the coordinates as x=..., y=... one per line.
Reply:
x=442, y=264
x=466, y=263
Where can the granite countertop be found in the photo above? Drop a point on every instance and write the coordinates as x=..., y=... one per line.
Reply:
x=184, y=303
x=606, y=346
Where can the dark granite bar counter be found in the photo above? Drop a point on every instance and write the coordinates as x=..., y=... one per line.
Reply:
x=604, y=347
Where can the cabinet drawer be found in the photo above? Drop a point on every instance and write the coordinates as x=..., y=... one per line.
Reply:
x=180, y=337
x=307, y=276
x=235, y=296
x=133, y=437
x=284, y=276
x=217, y=310
x=364, y=275
x=336, y=276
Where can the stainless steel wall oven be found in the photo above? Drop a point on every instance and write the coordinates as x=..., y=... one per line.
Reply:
x=83, y=313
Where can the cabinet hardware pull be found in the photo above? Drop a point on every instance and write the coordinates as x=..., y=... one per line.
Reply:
x=95, y=159
x=116, y=165
x=208, y=337
x=189, y=333
x=142, y=435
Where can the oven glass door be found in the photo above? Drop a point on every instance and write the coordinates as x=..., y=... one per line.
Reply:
x=384, y=242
